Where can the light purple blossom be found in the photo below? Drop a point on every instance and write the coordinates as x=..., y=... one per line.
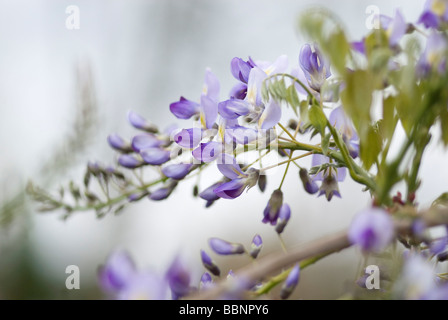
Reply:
x=178, y=277
x=272, y=210
x=155, y=156
x=130, y=161
x=138, y=122
x=177, y=171
x=118, y=143
x=184, y=108
x=315, y=67
x=435, y=13
x=372, y=230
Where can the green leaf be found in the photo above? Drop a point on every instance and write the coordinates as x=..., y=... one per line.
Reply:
x=357, y=99
x=370, y=147
x=441, y=200
x=293, y=98
x=318, y=118
x=326, y=143
x=444, y=126
x=389, y=122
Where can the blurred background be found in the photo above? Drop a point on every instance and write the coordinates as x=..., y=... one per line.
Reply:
x=63, y=91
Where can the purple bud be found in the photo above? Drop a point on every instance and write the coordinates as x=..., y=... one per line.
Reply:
x=240, y=69
x=372, y=230
x=315, y=67
x=118, y=143
x=329, y=188
x=262, y=181
x=309, y=185
x=238, y=91
x=130, y=161
x=291, y=282
x=208, y=152
x=145, y=141
x=138, y=122
x=439, y=245
x=209, y=264
x=155, y=156
x=137, y=196
x=164, y=192
x=177, y=171
x=272, y=209
x=206, y=281
x=256, y=245
x=283, y=218
x=223, y=247
x=232, y=189
x=184, y=109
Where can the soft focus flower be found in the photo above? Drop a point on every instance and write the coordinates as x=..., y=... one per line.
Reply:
x=283, y=218
x=329, y=177
x=309, y=184
x=372, y=230
x=138, y=122
x=435, y=13
x=434, y=56
x=345, y=126
x=130, y=161
x=118, y=143
x=178, y=277
x=395, y=27
x=177, y=171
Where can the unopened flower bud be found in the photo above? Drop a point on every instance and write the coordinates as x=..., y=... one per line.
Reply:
x=256, y=245
x=209, y=264
x=283, y=218
x=119, y=144
x=272, y=209
x=290, y=283
x=309, y=185
x=223, y=247
x=262, y=181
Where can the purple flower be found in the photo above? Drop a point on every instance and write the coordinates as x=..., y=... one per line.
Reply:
x=223, y=247
x=238, y=91
x=178, y=277
x=241, y=135
x=359, y=46
x=117, y=272
x=138, y=122
x=329, y=177
x=270, y=116
x=372, y=230
x=188, y=138
x=434, y=14
x=177, y=171
x=164, y=192
x=434, y=56
x=209, y=264
x=211, y=86
x=130, y=161
x=239, y=180
x=256, y=245
x=315, y=66
x=272, y=210
x=206, y=281
x=209, y=195
x=345, y=126
x=256, y=78
x=278, y=66
x=241, y=69
x=145, y=141
x=291, y=282
x=395, y=27
x=155, y=156
x=144, y=286
x=309, y=184
x=233, y=108
x=184, y=109
x=118, y=143
x=283, y=218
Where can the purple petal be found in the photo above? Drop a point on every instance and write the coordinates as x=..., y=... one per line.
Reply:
x=233, y=108
x=231, y=190
x=207, y=152
x=359, y=46
x=291, y=282
x=184, y=109
x=238, y=91
x=209, y=112
x=179, y=278
x=271, y=116
x=429, y=20
x=240, y=69
x=343, y=124
x=283, y=218
x=161, y=194
x=279, y=66
x=229, y=167
x=155, y=156
x=211, y=86
x=208, y=193
x=398, y=27
x=177, y=171
x=256, y=78
x=145, y=141
x=129, y=161
x=188, y=138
